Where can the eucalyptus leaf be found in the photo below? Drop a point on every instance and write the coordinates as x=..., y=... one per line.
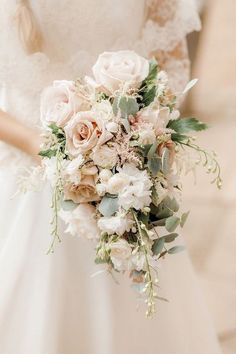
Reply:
x=154, y=165
x=165, y=161
x=184, y=218
x=152, y=150
x=172, y=223
x=189, y=85
x=128, y=106
x=108, y=206
x=176, y=249
x=158, y=246
x=170, y=238
x=68, y=205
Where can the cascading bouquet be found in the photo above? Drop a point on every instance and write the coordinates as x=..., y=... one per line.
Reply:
x=114, y=151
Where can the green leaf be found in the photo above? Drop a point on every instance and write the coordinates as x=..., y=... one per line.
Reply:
x=108, y=205
x=154, y=164
x=170, y=238
x=165, y=161
x=186, y=125
x=68, y=205
x=48, y=153
x=179, y=138
x=126, y=106
x=158, y=246
x=176, y=249
x=153, y=70
x=172, y=223
x=184, y=218
x=152, y=150
x=149, y=96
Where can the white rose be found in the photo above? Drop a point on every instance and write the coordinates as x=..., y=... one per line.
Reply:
x=85, y=131
x=105, y=156
x=81, y=221
x=113, y=69
x=115, y=224
x=120, y=254
x=59, y=102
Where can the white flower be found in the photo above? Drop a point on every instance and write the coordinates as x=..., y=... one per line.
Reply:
x=113, y=69
x=105, y=175
x=120, y=254
x=118, y=224
x=117, y=183
x=104, y=156
x=59, y=102
x=137, y=261
x=81, y=221
x=134, y=188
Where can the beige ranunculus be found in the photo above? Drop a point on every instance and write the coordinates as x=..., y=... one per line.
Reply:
x=112, y=69
x=84, y=191
x=60, y=102
x=84, y=132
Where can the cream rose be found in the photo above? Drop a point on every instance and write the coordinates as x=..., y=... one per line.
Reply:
x=85, y=131
x=59, y=102
x=85, y=191
x=114, y=68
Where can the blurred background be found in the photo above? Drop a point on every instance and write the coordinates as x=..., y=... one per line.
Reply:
x=212, y=241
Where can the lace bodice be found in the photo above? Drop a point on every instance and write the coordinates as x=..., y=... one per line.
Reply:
x=76, y=31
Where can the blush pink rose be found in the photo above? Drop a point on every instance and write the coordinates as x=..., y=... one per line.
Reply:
x=85, y=131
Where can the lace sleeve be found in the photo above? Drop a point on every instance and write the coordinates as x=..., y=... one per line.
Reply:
x=166, y=26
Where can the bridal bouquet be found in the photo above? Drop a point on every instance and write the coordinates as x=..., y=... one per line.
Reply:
x=114, y=151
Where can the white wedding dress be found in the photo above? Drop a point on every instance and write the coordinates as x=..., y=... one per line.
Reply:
x=52, y=304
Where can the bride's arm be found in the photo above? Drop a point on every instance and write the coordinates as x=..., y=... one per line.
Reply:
x=19, y=135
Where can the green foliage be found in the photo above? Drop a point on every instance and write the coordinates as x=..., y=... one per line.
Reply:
x=125, y=106
x=154, y=164
x=176, y=249
x=108, y=205
x=68, y=205
x=148, y=88
x=49, y=153
x=158, y=246
x=184, y=218
x=186, y=125
x=172, y=223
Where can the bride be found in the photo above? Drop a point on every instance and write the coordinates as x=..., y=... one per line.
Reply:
x=52, y=304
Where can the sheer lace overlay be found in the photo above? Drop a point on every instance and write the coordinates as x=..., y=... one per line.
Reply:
x=76, y=31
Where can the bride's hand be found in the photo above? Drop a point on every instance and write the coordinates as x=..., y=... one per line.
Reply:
x=20, y=136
